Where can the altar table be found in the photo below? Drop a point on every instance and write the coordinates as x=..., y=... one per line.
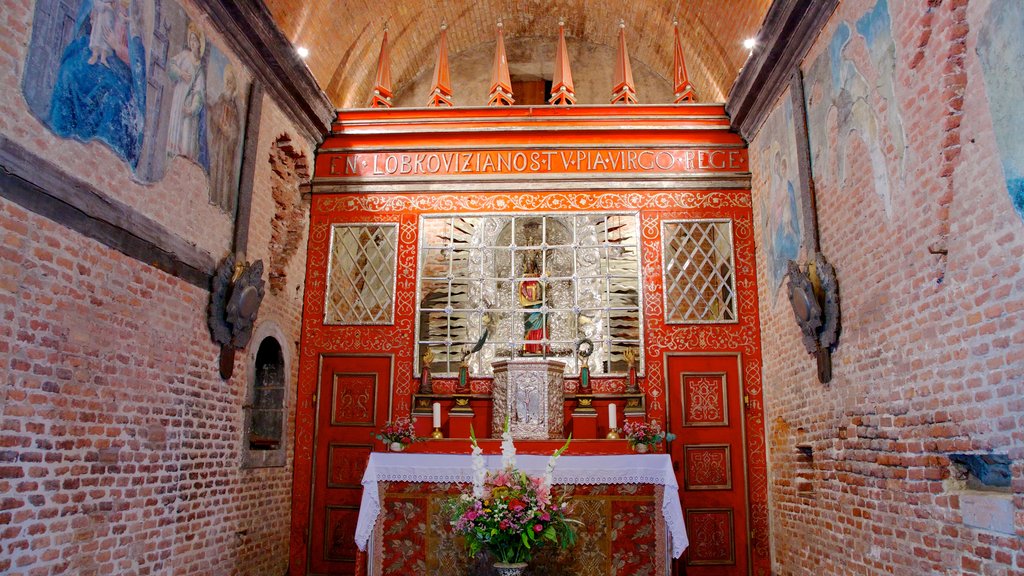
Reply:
x=616, y=496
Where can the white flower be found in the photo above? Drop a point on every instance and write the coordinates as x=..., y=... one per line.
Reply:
x=508, y=450
x=479, y=471
x=549, y=471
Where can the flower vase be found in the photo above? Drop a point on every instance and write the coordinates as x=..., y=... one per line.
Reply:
x=640, y=448
x=503, y=569
x=396, y=446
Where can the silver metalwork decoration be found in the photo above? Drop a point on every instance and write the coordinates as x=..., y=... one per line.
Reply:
x=361, y=274
x=700, y=278
x=474, y=268
x=528, y=393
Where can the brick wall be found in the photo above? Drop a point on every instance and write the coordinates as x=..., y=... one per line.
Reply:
x=928, y=251
x=120, y=445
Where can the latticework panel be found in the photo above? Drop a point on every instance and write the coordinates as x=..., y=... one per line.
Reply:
x=361, y=277
x=700, y=285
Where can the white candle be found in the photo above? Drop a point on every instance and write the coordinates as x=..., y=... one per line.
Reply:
x=437, y=414
x=612, y=420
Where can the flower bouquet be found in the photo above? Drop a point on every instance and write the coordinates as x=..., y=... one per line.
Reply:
x=511, y=514
x=397, y=434
x=642, y=435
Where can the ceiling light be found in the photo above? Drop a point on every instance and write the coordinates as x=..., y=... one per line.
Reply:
x=749, y=43
x=302, y=51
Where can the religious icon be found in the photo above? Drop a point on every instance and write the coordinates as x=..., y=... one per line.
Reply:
x=531, y=296
x=426, y=386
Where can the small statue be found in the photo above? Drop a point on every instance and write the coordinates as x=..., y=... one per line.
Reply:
x=629, y=354
x=462, y=386
x=426, y=386
x=584, y=348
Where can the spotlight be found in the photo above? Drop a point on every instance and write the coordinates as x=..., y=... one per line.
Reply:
x=302, y=51
x=749, y=43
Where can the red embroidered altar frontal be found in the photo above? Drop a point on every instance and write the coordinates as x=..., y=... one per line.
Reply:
x=621, y=533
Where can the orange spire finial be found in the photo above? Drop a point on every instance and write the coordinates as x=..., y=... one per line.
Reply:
x=562, y=92
x=382, y=83
x=441, y=90
x=501, y=84
x=684, y=90
x=623, y=91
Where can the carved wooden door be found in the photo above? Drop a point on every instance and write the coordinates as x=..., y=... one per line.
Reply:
x=706, y=414
x=352, y=404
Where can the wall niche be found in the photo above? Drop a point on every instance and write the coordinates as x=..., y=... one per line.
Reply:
x=264, y=440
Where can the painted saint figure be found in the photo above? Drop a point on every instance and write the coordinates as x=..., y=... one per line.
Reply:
x=225, y=131
x=531, y=295
x=186, y=71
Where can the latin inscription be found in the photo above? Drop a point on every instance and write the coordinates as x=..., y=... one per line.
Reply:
x=533, y=162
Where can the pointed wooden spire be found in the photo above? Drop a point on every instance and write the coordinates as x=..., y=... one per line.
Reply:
x=684, y=90
x=441, y=90
x=501, y=84
x=382, y=84
x=562, y=91
x=623, y=91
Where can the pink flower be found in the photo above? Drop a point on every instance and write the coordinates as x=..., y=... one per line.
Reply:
x=503, y=525
x=545, y=517
x=537, y=528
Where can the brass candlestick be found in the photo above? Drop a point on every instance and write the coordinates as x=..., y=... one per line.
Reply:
x=437, y=434
x=613, y=434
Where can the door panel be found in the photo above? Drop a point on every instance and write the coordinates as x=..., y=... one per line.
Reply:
x=352, y=403
x=705, y=413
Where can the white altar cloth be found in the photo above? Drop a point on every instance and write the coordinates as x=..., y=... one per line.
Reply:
x=458, y=468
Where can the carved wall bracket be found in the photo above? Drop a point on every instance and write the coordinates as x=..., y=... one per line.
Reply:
x=814, y=296
x=235, y=299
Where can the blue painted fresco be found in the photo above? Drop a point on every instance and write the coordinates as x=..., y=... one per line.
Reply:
x=140, y=77
x=839, y=96
x=101, y=83
x=781, y=226
x=1001, y=51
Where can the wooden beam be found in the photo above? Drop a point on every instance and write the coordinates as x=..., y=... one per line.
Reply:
x=789, y=29
x=251, y=33
x=40, y=186
x=243, y=210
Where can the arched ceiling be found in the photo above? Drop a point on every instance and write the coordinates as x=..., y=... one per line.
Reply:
x=344, y=36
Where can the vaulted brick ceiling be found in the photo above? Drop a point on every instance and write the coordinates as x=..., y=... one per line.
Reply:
x=344, y=36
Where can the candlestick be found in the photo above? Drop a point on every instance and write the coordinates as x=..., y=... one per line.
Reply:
x=437, y=414
x=613, y=422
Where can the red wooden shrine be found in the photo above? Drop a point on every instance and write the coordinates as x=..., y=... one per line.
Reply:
x=663, y=163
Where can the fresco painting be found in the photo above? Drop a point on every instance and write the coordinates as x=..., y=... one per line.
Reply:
x=1001, y=51
x=850, y=90
x=143, y=79
x=781, y=226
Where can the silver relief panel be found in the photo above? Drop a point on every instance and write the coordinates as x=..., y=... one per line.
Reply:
x=528, y=395
x=700, y=279
x=536, y=283
x=361, y=274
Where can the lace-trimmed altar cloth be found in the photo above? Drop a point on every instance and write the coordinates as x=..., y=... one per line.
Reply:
x=458, y=468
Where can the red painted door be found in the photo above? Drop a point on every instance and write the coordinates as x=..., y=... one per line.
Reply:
x=352, y=404
x=706, y=415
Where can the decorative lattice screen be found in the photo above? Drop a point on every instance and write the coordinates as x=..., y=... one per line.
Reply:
x=700, y=281
x=361, y=274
